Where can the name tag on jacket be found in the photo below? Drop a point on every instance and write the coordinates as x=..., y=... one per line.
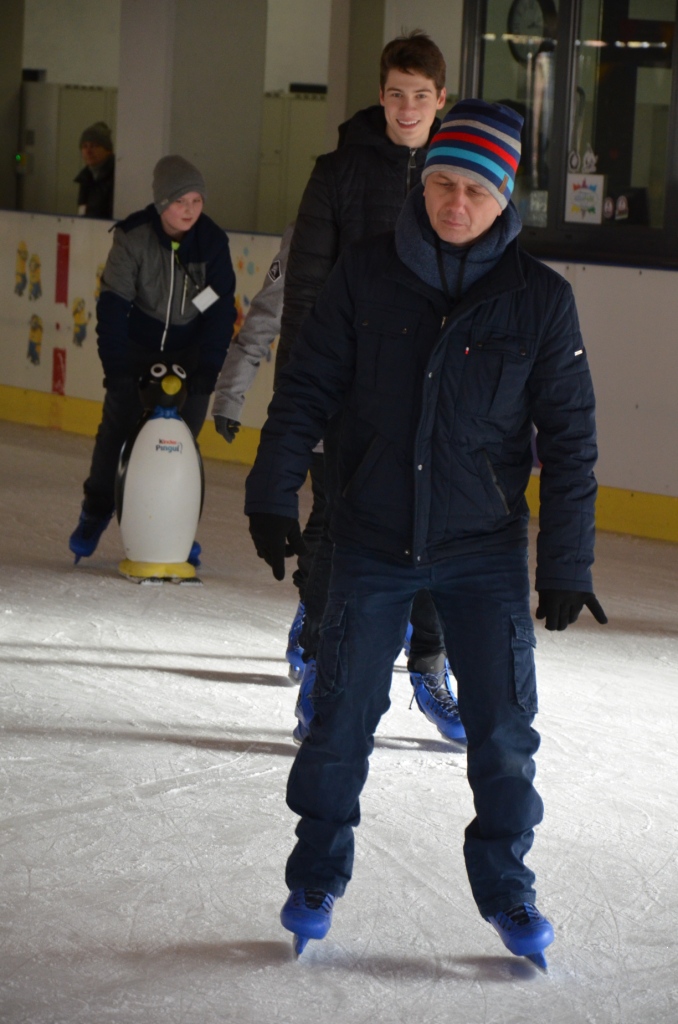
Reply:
x=204, y=299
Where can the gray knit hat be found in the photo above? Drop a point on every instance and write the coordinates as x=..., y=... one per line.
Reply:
x=98, y=133
x=173, y=177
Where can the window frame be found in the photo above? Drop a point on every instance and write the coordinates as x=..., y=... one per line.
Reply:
x=627, y=245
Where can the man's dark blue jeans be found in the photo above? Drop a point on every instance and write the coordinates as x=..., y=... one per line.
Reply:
x=483, y=606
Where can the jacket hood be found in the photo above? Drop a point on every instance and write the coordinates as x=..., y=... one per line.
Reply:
x=150, y=215
x=368, y=128
x=428, y=257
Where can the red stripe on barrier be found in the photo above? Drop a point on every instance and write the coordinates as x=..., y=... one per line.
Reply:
x=63, y=257
x=59, y=371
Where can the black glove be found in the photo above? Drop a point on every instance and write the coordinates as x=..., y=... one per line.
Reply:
x=561, y=607
x=227, y=428
x=276, y=538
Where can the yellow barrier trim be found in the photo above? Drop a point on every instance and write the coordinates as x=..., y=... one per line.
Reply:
x=617, y=510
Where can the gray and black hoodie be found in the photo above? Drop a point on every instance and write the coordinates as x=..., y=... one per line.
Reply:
x=146, y=308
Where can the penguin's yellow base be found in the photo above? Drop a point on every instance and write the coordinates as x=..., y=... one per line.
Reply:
x=157, y=570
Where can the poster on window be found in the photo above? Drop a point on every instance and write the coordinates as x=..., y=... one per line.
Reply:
x=584, y=200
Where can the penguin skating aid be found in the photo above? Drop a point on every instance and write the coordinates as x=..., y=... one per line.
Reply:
x=160, y=485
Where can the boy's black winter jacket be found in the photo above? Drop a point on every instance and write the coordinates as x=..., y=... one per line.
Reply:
x=436, y=410
x=145, y=306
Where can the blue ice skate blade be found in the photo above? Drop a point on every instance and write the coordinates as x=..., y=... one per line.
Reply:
x=295, y=673
x=299, y=943
x=539, y=960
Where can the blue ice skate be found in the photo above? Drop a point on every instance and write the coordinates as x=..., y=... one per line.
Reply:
x=294, y=650
x=87, y=534
x=304, y=709
x=194, y=554
x=308, y=914
x=524, y=932
x=408, y=640
x=436, y=700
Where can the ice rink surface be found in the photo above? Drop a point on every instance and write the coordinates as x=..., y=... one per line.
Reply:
x=146, y=742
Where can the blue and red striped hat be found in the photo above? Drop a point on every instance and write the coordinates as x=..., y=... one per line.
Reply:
x=479, y=140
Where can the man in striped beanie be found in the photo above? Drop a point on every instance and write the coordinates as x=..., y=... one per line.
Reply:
x=435, y=348
x=470, y=171
x=479, y=141
x=460, y=227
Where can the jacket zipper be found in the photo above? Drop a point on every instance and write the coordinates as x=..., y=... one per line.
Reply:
x=411, y=164
x=169, y=303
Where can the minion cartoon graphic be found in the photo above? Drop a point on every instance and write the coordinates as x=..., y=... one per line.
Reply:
x=97, y=286
x=80, y=320
x=34, y=283
x=34, y=340
x=20, y=278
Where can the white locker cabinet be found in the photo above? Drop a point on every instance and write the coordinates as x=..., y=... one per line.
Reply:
x=292, y=137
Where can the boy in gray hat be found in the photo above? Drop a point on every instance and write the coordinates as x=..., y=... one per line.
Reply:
x=167, y=290
x=96, y=180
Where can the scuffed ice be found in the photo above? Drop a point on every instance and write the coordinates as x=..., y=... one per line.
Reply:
x=144, y=748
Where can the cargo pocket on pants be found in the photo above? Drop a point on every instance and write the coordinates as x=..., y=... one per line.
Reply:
x=523, y=642
x=332, y=630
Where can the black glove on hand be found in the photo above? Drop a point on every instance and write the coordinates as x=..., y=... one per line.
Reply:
x=275, y=538
x=227, y=428
x=561, y=607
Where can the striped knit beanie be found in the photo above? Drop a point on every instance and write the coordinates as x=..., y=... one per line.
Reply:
x=479, y=140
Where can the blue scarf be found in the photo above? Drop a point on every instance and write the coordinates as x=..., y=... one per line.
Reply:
x=420, y=248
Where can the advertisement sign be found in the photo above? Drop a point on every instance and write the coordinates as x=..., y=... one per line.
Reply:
x=584, y=198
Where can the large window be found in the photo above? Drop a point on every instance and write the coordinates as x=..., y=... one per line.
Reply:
x=594, y=81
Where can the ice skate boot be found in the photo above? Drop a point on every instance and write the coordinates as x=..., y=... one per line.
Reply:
x=524, y=932
x=294, y=650
x=87, y=534
x=408, y=640
x=435, y=699
x=308, y=914
x=194, y=554
x=304, y=709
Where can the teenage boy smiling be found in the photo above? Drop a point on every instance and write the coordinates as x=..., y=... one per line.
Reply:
x=410, y=101
x=357, y=192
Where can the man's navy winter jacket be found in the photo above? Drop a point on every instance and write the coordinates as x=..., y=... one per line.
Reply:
x=433, y=448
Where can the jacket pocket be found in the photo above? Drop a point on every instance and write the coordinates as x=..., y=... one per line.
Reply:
x=495, y=373
x=523, y=642
x=386, y=349
x=493, y=488
x=371, y=479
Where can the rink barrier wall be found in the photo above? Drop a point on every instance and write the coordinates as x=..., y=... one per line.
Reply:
x=50, y=374
x=619, y=511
